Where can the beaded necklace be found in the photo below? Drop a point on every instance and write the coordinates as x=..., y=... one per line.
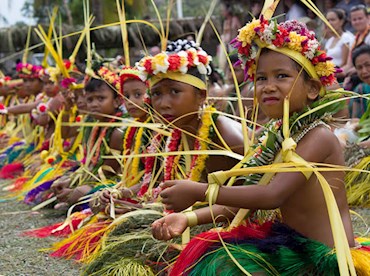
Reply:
x=270, y=142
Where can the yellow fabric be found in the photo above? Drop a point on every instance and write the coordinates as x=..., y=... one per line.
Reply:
x=185, y=78
x=296, y=56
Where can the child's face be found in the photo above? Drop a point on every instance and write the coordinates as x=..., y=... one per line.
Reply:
x=275, y=76
x=32, y=86
x=134, y=93
x=50, y=88
x=173, y=99
x=80, y=100
x=362, y=65
x=102, y=101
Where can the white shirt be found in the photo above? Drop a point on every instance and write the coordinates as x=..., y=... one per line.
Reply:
x=335, y=51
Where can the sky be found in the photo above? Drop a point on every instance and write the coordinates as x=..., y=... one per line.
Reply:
x=11, y=10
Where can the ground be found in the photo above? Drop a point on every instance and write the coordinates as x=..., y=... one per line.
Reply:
x=20, y=256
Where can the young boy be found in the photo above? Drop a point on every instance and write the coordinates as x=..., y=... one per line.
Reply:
x=305, y=232
x=102, y=101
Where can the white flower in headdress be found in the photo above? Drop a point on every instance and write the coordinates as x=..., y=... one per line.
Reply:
x=184, y=62
x=312, y=45
x=160, y=63
x=267, y=33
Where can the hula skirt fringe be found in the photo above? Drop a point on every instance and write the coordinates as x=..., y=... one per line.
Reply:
x=271, y=249
x=358, y=184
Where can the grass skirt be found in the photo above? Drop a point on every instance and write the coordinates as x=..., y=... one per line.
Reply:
x=271, y=249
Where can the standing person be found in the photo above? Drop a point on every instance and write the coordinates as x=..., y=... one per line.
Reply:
x=286, y=76
x=295, y=10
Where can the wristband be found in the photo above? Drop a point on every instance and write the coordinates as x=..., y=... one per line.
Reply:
x=192, y=218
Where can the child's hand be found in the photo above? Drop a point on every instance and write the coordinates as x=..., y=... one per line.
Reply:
x=178, y=195
x=170, y=226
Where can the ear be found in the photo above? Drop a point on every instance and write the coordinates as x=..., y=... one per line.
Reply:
x=314, y=90
x=202, y=95
x=117, y=102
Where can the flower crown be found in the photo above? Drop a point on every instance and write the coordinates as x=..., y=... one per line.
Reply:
x=130, y=73
x=291, y=38
x=179, y=58
x=28, y=70
x=109, y=77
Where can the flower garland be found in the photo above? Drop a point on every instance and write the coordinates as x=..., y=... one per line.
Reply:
x=179, y=62
x=96, y=161
x=290, y=34
x=173, y=143
x=138, y=143
x=110, y=77
x=27, y=70
x=270, y=141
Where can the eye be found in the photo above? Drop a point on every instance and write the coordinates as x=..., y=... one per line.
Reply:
x=138, y=95
x=260, y=78
x=282, y=76
x=101, y=98
x=155, y=93
x=175, y=91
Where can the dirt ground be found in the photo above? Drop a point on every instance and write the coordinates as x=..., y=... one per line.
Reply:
x=20, y=256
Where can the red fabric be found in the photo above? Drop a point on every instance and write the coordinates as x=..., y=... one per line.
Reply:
x=199, y=245
x=10, y=171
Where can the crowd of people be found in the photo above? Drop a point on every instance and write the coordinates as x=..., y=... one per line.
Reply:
x=175, y=166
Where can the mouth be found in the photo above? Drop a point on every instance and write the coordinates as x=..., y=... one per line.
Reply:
x=270, y=100
x=168, y=117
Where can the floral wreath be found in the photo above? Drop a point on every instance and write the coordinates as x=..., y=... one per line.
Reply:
x=291, y=38
x=110, y=77
x=28, y=70
x=169, y=65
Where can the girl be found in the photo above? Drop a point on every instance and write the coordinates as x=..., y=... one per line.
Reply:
x=287, y=75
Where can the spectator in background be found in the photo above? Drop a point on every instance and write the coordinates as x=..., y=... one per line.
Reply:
x=360, y=22
x=347, y=5
x=231, y=25
x=295, y=10
x=361, y=60
x=338, y=47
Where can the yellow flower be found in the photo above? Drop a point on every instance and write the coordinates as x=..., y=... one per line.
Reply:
x=295, y=41
x=247, y=33
x=252, y=69
x=160, y=63
x=325, y=68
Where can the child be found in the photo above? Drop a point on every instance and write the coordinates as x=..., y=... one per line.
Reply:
x=102, y=101
x=305, y=232
x=177, y=94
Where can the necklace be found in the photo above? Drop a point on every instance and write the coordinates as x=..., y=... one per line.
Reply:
x=173, y=143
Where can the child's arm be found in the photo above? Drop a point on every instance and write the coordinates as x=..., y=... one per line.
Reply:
x=316, y=146
x=22, y=108
x=115, y=143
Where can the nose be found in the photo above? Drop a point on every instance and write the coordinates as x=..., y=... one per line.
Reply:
x=164, y=103
x=269, y=87
x=94, y=104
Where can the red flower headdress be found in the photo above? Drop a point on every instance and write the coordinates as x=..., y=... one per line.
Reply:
x=291, y=38
x=28, y=70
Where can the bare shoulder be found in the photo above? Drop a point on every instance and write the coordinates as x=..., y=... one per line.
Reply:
x=116, y=139
x=320, y=145
x=231, y=132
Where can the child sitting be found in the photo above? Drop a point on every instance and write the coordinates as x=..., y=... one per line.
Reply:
x=102, y=101
x=290, y=71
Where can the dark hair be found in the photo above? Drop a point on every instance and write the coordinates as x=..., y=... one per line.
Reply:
x=94, y=85
x=359, y=8
x=305, y=75
x=341, y=14
x=363, y=49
